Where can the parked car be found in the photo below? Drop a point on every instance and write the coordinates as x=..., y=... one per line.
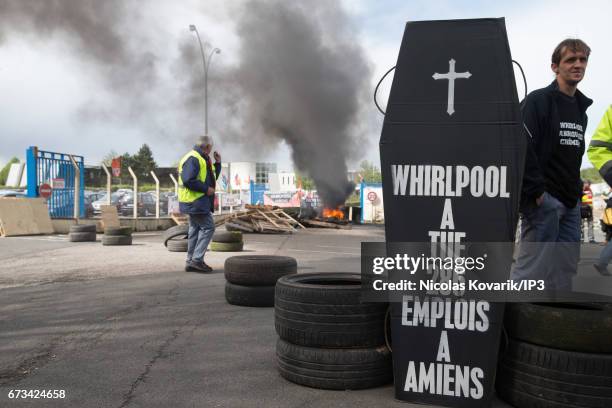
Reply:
x=89, y=198
x=164, y=197
x=89, y=211
x=115, y=197
x=11, y=193
x=146, y=205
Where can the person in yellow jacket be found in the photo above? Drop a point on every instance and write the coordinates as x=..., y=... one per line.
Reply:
x=600, y=154
x=197, y=183
x=586, y=212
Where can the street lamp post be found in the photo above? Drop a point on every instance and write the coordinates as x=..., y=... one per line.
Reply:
x=206, y=66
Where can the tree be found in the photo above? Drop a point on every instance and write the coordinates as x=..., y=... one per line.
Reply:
x=369, y=172
x=143, y=161
x=126, y=161
x=6, y=169
x=306, y=182
x=108, y=159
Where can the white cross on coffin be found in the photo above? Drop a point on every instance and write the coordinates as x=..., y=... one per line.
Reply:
x=451, y=75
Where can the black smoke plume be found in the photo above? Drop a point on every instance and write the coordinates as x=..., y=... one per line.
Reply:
x=305, y=81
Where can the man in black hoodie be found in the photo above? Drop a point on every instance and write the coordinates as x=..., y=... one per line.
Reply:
x=554, y=119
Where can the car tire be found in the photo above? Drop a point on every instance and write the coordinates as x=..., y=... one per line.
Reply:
x=334, y=369
x=227, y=237
x=582, y=327
x=177, y=245
x=325, y=310
x=83, y=228
x=258, y=270
x=109, y=240
x=531, y=376
x=82, y=237
x=230, y=227
x=178, y=231
x=226, y=246
x=255, y=296
x=118, y=231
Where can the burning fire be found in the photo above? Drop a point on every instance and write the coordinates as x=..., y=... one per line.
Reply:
x=333, y=213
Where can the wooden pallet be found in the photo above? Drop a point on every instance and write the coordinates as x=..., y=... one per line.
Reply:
x=180, y=219
x=263, y=219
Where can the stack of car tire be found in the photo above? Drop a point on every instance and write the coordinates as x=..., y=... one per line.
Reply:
x=117, y=236
x=557, y=356
x=175, y=238
x=230, y=241
x=251, y=278
x=327, y=338
x=82, y=233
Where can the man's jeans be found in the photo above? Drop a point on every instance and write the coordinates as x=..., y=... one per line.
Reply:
x=606, y=256
x=550, y=244
x=201, y=230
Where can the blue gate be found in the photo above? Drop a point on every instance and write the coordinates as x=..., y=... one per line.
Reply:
x=56, y=169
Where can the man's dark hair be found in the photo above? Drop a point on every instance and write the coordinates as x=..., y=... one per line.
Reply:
x=572, y=44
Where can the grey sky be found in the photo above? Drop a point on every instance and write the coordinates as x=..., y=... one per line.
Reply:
x=53, y=97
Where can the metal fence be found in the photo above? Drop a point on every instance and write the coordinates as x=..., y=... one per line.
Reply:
x=57, y=170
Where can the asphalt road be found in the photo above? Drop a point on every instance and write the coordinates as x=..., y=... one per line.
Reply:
x=126, y=327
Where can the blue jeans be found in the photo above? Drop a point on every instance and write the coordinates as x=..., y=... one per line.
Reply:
x=550, y=244
x=201, y=230
x=606, y=255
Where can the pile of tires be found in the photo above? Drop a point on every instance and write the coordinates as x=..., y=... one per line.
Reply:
x=327, y=338
x=251, y=278
x=82, y=233
x=117, y=236
x=558, y=356
x=175, y=238
x=230, y=241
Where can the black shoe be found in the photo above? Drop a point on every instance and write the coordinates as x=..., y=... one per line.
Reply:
x=592, y=241
x=190, y=267
x=197, y=267
x=602, y=271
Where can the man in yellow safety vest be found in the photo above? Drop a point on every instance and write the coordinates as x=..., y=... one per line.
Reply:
x=197, y=182
x=600, y=154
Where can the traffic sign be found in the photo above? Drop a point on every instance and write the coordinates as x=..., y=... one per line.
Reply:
x=372, y=196
x=58, y=183
x=44, y=190
x=116, y=166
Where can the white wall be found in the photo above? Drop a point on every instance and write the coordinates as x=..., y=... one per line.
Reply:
x=241, y=174
x=15, y=174
x=283, y=181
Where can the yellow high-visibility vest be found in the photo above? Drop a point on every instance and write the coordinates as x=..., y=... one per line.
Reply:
x=600, y=148
x=186, y=195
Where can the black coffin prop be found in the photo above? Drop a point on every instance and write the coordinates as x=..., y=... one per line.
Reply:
x=453, y=104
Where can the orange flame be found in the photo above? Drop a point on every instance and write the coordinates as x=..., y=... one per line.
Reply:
x=333, y=213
